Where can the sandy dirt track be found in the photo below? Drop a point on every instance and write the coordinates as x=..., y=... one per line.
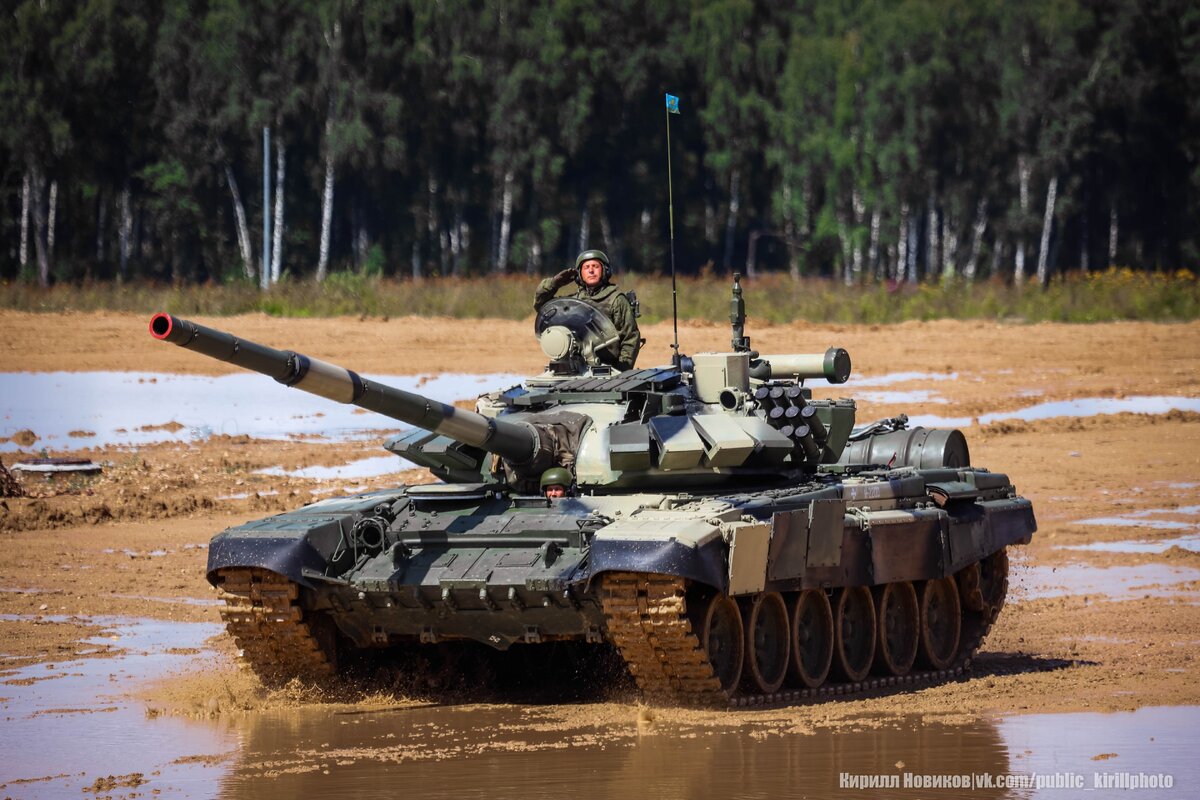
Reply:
x=131, y=542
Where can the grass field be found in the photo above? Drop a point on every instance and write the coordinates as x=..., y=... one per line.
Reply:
x=1117, y=294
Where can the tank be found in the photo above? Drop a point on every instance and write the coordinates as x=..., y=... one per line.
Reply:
x=737, y=539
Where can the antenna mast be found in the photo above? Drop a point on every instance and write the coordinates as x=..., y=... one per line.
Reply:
x=672, y=108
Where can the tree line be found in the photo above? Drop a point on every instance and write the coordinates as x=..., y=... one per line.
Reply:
x=864, y=139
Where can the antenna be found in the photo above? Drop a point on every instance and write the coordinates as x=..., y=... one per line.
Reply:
x=672, y=108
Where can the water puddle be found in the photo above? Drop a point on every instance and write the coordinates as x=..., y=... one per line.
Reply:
x=69, y=723
x=1116, y=583
x=1085, y=407
x=896, y=398
x=1139, y=518
x=75, y=410
x=1191, y=543
x=73, y=719
x=900, y=377
x=356, y=470
x=1127, y=522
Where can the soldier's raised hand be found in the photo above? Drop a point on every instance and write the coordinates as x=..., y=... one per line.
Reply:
x=563, y=278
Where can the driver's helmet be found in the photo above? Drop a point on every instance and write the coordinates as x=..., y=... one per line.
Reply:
x=560, y=476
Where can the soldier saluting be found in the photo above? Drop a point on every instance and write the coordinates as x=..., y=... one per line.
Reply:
x=593, y=276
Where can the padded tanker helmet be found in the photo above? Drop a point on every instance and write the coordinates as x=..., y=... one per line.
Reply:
x=588, y=255
x=556, y=476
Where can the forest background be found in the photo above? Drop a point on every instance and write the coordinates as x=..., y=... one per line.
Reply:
x=908, y=149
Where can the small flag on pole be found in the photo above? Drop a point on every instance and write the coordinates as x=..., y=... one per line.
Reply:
x=672, y=104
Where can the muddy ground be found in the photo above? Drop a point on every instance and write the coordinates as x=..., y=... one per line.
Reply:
x=132, y=542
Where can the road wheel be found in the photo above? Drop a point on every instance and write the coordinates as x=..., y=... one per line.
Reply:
x=941, y=622
x=721, y=637
x=899, y=624
x=812, y=637
x=767, y=643
x=854, y=624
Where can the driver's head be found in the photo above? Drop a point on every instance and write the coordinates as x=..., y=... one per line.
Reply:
x=593, y=268
x=555, y=481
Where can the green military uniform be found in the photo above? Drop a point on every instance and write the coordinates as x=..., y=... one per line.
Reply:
x=609, y=300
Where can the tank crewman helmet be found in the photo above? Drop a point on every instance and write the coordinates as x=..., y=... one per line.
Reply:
x=589, y=255
x=556, y=476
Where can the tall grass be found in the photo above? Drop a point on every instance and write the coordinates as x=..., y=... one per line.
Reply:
x=1117, y=294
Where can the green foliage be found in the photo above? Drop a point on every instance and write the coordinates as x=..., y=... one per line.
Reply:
x=872, y=141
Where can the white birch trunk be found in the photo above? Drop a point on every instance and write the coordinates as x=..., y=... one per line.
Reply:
x=1043, y=274
x=585, y=228
x=1023, y=172
x=902, y=244
x=431, y=223
x=506, y=206
x=752, y=255
x=455, y=236
x=843, y=223
x=25, y=220
x=52, y=219
x=859, y=207
x=326, y=203
x=933, y=246
x=710, y=222
x=37, y=190
x=464, y=234
x=735, y=204
x=997, y=257
x=976, y=239
x=125, y=236
x=239, y=217
x=873, y=246
x=415, y=261
x=1112, y=236
x=914, y=236
x=277, y=233
x=535, y=255
x=949, y=248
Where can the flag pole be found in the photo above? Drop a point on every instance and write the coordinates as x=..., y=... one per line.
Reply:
x=671, y=217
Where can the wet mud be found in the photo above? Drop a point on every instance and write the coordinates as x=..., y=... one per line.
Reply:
x=109, y=634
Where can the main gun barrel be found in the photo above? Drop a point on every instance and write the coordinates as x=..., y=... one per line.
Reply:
x=516, y=442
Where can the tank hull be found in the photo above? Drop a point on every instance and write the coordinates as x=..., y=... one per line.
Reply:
x=471, y=562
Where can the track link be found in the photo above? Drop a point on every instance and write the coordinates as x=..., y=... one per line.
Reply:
x=648, y=622
x=276, y=638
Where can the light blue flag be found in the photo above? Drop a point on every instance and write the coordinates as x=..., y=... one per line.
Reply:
x=672, y=104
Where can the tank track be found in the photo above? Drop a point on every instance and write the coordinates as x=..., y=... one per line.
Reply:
x=648, y=622
x=276, y=639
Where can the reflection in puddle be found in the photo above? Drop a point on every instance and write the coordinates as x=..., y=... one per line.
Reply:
x=130, y=408
x=72, y=718
x=1086, y=407
x=356, y=470
x=63, y=726
x=1122, y=582
x=502, y=751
